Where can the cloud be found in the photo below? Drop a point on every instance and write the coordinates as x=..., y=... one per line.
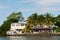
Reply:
x=26, y=1
x=41, y=2
x=50, y=10
x=43, y=6
x=3, y=7
x=47, y=2
x=40, y=10
x=25, y=9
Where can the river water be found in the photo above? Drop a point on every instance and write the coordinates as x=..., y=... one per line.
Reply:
x=30, y=38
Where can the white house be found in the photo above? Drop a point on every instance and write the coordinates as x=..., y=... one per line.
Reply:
x=19, y=26
x=16, y=27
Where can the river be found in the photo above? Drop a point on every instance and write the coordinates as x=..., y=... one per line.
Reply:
x=30, y=38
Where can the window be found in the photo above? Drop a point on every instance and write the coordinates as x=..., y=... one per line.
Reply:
x=18, y=24
x=12, y=24
x=22, y=24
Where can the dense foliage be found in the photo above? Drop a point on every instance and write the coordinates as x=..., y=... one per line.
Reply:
x=36, y=19
x=32, y=20
x=43, y=19
x=14, y=17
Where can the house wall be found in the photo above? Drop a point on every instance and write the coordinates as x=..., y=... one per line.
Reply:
x=15, y=26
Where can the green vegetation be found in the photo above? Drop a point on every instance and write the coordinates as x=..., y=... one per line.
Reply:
x=32, y=20
x=36, y=19
x=58, y=29
x=43, y=19
x=14, y=17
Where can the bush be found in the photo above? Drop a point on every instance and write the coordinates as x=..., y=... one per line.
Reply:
x=58, y=29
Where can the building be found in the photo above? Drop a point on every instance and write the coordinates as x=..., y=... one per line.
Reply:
x=42, y=29
x=16, y=28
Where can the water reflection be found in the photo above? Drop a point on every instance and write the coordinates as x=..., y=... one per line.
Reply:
x=30, y=38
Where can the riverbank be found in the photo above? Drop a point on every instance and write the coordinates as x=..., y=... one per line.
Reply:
x=56, y=34
x=40, y=34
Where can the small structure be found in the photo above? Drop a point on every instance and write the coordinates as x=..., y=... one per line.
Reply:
x=43, y=29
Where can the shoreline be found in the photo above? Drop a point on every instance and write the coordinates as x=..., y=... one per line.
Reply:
x=35, y=34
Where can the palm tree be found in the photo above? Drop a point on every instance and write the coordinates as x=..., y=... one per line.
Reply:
x=48, y=19
x=41, y=20
x=30, y=21
x=33, y=19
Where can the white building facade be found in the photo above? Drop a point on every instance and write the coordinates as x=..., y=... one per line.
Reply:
x=16, y=28
x=20, y=25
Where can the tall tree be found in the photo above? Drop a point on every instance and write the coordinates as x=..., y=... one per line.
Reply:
x=57, y=21
x=33, y=19
x=16, y=16
x=41, y=20
x=48, y=19
x=19, y=16
x=12, y=16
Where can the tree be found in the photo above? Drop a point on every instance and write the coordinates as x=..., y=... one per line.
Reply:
x=6, y=26
x=58, y=16
x=48, y=19
x=32, y=20
x=57, y=24
x=41, y=19
x=57, y=21
x=36, y=19
x=14, y=17
x=1, y=32
x=19, y=16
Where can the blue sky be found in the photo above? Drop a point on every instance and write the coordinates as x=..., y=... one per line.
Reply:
x=28, y=7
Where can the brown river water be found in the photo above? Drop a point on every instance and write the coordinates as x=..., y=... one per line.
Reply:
x=30, y=38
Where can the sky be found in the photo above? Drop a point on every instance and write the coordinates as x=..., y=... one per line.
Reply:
x=28, y=7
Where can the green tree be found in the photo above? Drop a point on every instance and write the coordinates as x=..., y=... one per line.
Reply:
x=57, y=22
x=6, y=26
x=32, y=20
x=14, y=17
x=19, y=16
x=1, y=32
x=48, y=19
x=41, y=20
